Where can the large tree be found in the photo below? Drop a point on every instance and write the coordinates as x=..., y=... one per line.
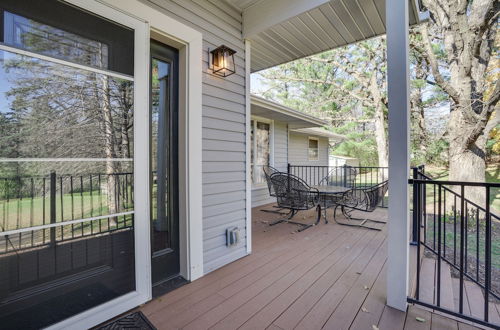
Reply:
x=345, y=85
x=458, y=44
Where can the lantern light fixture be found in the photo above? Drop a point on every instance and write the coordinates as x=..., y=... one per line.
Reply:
x=221, y=61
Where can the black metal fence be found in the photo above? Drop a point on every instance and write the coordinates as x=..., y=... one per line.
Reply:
x=59, y=201
x=465, y=234
x=364, y=176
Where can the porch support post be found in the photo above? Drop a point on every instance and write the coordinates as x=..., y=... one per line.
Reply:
x=399, y=128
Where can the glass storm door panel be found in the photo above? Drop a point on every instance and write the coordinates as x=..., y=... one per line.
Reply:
x=66, y=162
x=164, y=123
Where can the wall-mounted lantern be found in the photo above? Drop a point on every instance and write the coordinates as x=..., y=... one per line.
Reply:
x=221, y=61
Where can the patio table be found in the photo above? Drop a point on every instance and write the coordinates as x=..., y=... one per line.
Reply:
x=329, y=195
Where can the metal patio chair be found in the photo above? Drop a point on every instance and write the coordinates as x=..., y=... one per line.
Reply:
x=268, y=171
x=294, y=194
x=361, y=199
x=344, y=176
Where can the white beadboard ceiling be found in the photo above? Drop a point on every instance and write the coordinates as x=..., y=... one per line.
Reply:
x=333, y=24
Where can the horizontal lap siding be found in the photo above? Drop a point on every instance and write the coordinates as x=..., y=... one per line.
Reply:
x=223, y=126
x=298, y=150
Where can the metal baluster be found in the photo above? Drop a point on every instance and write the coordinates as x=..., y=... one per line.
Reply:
x=62, y=206
x=466, y=236
x=434, y=217
x=444, y=224
x=462, y=241
x=477, y=244
x=53, y=207
x=438, y=287
x=43, y=207
x=72, y=206
x=454, y=229
x=487, y=256
x=32, y=193
x=100, y=201
x=81, y=202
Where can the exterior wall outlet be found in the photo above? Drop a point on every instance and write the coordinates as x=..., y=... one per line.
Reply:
x=232, y=236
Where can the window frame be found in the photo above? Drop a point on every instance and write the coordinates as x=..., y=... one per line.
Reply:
x=313, y=138
x=253, y=127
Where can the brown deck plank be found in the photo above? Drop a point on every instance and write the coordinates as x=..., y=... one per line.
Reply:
x=317, y=267
x=456, y=295
x=412, y=322
x=283, y=243
x=270, y=312
x=447, y=296
x=427, y=280
x=222, y=310
x=317, y=316
x=182, y=313
x=374, y=304
x=476, y=299
x=347, y=309
x=439, y=322
x=392, y=319
x=304, y=303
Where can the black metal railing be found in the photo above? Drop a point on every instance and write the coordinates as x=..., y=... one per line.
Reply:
x=364, y=176
x=58, y=200
x=453, y=222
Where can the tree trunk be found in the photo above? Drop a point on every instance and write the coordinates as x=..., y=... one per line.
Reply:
x=466, y=163
x=109, y=148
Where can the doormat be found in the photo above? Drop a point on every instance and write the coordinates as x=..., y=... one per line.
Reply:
x=135, y=320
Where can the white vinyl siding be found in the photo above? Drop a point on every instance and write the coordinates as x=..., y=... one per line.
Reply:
x=299, y=148
x=223, y=132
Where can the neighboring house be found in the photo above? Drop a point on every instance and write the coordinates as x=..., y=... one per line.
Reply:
x=125, y=113
x=282, y=136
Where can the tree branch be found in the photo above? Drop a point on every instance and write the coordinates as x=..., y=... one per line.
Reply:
x=431, y=59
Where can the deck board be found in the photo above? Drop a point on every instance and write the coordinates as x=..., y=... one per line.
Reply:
x=329, y=276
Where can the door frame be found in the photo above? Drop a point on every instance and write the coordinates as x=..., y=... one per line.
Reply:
x=148, y=23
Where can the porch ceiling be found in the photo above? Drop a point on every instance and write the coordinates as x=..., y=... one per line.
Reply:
x=322, y=27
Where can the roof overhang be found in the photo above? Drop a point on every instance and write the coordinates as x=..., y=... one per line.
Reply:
x=316, y=131
x=281, y=31
x=271, y=110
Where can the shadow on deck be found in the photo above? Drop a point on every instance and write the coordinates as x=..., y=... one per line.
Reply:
x=328, y=276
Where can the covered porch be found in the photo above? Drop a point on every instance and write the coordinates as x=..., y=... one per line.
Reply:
x=329, y=276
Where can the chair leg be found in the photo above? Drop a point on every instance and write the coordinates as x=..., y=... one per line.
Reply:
x=360, y=222
x=290, y=214
x=274, y=211
x=348, y=215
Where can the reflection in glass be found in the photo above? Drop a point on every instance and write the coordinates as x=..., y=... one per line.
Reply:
x=66, y=141
x=160, y=155
x=313, y=149
x=261, y=155
x=34, y=36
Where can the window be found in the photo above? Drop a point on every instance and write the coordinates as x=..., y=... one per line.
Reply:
x=313, y=153
x=260, y=150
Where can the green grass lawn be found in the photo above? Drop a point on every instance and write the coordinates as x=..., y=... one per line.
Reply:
x=492, y=175
x=26, y=212
x=471, y=242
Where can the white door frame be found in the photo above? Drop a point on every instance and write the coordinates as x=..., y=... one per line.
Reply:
x=148, y=22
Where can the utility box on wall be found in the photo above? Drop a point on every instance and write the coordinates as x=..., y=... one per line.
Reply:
x=232, y=236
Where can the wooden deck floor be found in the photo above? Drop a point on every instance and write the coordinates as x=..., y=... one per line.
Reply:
x=329, y=276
